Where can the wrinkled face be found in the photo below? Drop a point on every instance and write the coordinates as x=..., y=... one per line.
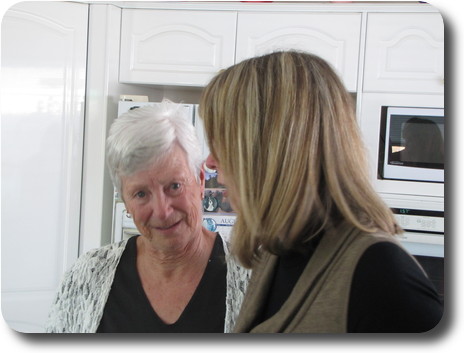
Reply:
x=165, y=201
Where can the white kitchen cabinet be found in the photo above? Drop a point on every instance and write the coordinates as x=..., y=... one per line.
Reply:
x=172, y=47
x=404, y=53
x=44, y=55
x=333, y=36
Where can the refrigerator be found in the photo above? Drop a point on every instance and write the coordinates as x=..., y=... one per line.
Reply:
x=43, y=65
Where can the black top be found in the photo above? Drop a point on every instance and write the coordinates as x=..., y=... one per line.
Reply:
x=389, y=292
x=128, y=309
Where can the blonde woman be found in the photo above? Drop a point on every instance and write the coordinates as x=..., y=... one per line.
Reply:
x=283, y=136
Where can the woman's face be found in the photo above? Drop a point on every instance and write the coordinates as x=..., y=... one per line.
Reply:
x=165, y=201
x=213, y=163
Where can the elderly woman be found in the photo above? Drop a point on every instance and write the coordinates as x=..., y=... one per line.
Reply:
x=176, y=276
x=284, y=139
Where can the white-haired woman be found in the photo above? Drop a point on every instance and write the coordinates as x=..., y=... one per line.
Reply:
x=176, y=275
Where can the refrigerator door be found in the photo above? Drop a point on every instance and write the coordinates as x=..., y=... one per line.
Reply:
x=44, y=52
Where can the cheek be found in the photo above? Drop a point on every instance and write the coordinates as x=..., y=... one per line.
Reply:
x=194, y=215
x=140, y=215
x=141, y=218
x=193, y=208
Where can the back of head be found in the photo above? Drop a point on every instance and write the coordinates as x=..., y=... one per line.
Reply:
x=283, y=127
x=142, y=136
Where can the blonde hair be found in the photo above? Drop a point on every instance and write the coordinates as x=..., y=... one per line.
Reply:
x=284, y=130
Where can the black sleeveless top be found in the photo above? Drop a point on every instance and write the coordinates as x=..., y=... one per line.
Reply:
x=128, y=309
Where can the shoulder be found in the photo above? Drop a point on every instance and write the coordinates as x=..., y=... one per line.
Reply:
x=104, y=256
x=225, y=242
x=389, y=264
x=237, y=279
x=82, y=294
x=367, y=240
x=232, y=262
x=94, y=263
x=390, y=292
x=106, y=251
x=234, y=267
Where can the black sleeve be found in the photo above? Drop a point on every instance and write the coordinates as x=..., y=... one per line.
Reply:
x=390, y=293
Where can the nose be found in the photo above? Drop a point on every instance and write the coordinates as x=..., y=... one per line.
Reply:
x=211, y=162
x=162, y=207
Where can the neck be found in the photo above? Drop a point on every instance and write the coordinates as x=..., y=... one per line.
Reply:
x=174, y=262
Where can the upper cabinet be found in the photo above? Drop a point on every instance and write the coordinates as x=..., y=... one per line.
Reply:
x=393, y=48
x=172, y=47
x=333, y=36
x=404, y=53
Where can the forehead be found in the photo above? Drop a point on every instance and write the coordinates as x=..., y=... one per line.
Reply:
x=172, y=166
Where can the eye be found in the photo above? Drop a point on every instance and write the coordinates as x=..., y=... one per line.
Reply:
x=140, y=194
x=175, y=188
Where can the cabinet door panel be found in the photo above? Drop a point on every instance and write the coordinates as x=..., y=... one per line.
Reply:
x=44, y=50
x=175, y=47
x=334, y=37
x=404, y=53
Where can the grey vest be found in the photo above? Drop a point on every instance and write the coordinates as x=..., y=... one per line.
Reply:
x=319, y=301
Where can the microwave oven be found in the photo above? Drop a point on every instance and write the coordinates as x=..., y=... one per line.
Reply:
x=411, y=144
x=413, y=184
x=386, y=120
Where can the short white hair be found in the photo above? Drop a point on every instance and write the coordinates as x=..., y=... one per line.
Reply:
x=144, y=135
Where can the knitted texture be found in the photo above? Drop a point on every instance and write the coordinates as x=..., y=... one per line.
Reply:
x=237, y=283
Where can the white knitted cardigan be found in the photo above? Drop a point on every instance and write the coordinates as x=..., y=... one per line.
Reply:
x=81, y=298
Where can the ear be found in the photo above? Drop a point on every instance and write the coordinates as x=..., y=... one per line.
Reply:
x=127, y=209
x=202, y=181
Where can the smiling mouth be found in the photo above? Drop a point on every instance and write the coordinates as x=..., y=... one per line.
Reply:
x=168, y=227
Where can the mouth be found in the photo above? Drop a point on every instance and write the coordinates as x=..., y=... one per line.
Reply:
x=168, y=227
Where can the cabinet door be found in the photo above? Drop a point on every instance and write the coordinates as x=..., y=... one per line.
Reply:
x=333, y=36
x=175, y=47
x=404, y=53
x=44, y=51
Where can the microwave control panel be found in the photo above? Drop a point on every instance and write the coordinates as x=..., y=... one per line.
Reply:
x=422, y=221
